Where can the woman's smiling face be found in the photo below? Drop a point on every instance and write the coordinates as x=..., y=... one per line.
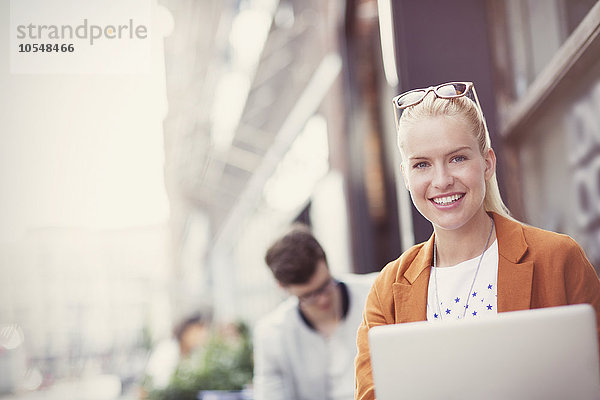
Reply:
x=445, y=171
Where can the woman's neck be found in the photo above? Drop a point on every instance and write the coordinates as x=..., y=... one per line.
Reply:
x=465, y=243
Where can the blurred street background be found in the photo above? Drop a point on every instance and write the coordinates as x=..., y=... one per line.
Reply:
x=132, y=201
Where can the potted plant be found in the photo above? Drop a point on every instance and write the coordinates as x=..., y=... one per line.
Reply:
x=220, y=370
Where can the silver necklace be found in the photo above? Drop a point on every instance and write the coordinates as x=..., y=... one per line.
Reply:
x=437, y=298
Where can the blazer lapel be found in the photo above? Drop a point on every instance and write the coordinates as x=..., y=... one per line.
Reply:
x=515, y=278
x=410, y=292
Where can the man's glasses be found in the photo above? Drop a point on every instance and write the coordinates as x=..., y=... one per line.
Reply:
x=450, y=90
x=311, y=297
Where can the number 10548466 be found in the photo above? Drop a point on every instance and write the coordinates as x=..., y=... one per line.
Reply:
x=46, y=48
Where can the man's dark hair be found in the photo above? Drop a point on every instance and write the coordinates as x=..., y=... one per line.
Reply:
x=293, y=258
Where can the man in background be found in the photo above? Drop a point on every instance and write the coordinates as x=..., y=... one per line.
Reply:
x=305, y=348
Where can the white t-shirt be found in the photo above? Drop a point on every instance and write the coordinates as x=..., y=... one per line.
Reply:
x=456, y=300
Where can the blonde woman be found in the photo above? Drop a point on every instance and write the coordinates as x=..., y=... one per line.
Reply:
x=479, y=261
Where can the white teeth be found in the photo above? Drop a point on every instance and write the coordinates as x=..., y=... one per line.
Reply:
x=444, y=201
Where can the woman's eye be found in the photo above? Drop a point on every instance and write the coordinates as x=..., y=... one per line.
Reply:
x=420, y=165
x=459, y=158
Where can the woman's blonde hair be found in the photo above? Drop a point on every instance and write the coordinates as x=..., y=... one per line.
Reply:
x=461, y=107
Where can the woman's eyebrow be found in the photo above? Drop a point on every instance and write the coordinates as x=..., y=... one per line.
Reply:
x=461, y=148
x=458, y=149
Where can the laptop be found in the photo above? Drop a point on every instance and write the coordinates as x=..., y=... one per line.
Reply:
x=548, y=353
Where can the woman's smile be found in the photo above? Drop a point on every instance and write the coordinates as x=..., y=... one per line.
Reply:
x=447, y=200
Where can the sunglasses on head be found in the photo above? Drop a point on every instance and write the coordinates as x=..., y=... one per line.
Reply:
x=450, y=90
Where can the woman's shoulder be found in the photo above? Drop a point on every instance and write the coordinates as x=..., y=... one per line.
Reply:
x=537, y=242
x=395, y=268
x=517, y=234
x=545, y=239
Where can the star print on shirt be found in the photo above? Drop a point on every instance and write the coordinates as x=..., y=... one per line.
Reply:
x=480, y=301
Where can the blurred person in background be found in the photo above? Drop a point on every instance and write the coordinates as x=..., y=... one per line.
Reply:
x=479, y=260
x=189, y=335
x=306, y=347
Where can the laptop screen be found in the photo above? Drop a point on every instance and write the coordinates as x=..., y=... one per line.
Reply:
x=549, y=353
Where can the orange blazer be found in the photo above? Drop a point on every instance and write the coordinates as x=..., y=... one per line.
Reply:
x=536, y=268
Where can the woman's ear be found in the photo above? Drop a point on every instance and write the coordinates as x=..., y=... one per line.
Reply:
x=490, y=163
x=404, y=176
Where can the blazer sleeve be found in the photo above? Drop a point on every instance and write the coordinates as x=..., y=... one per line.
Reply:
x=581, y=281
x=373, y=315
x=268, y=375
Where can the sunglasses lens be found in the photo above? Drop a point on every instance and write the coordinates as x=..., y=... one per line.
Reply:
x=452, y=90
x=410, y=98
